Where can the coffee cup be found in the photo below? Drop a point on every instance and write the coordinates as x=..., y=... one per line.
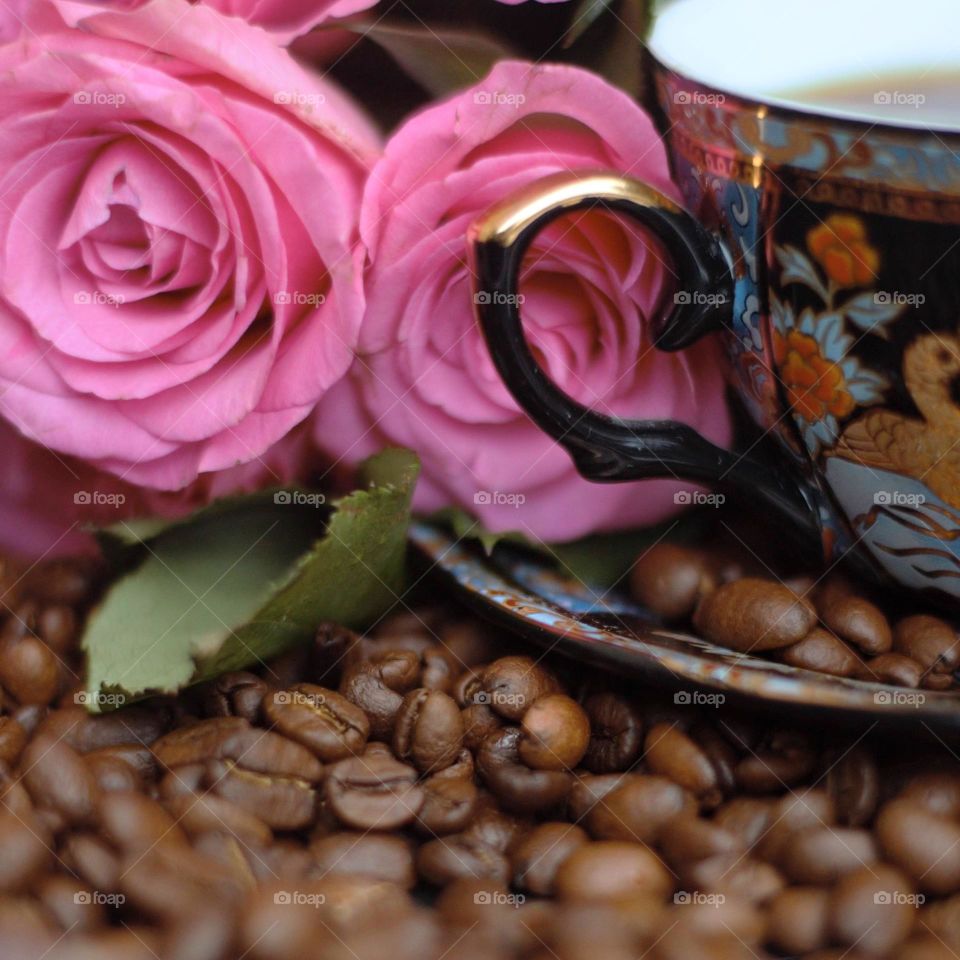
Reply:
x=820, y=237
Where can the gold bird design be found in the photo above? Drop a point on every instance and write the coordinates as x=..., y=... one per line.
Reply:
x=926, y=449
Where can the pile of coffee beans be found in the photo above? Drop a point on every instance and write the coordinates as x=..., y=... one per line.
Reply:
x=435, y=790
x=824, y=624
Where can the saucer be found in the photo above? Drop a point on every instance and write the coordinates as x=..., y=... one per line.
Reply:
x=525, y=592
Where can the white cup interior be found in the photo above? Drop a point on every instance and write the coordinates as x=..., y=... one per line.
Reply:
x=893, y=61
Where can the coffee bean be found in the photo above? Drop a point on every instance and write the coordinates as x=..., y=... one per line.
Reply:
x=753, y=615
x=669, y=579
x=798, y=922
x=514, y=784
x=608, y=869
x=537, y=856
x=686, y=839
x=638, y=809
x=92, y=859
x=746, y=817
x=513, y=684
x=204, y=813
x=870, y=909
x=280, y=800
x=373, y=792
x=892, y=668
x=824, y=855
x=429, y=730
x=112, y=774
x=853, y=782
x=371, y=855
x=377, y=688
x=820, y=650
x=930, y=641
x=138, y=758
x=855, y=620
x=805, y=809
x=28, y=668
x=57, y=627
x=479, y=721
x=670, y=752
x=237, y=694
x=25, y=851
x=938, y=792
x=924, y=845
x=783, y=759
x=448, y=805
x=496, y=828
x=321, y=720
x=70, y=903
x=13, y=739
x=554, y=734
x=446, y=859
x=616, y=733
x=56, y=776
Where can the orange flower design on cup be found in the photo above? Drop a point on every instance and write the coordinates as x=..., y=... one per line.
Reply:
x=842, y=248
x=815, y=385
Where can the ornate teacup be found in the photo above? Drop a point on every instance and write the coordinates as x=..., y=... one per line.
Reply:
x=823, y=238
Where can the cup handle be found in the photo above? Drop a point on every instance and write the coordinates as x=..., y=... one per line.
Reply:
x=606, y=449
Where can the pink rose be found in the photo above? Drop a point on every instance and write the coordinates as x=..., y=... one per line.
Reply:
x=178, y=237
x=49, y=503
x=424, y=377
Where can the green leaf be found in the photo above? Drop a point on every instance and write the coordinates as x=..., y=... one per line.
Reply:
x=244, y=580
x=441, y=59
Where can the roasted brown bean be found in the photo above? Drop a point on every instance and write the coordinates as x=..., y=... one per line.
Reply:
x=429, y=730
x=669, y=579
x=856, y=620
x=374, y=792
x=554, y=733
x=513, y=684
x=609, y=869
x=753, y=615
x=320, y=719
x=930, y=641
x=638, y=809
x=820, y=650
x=616, y=733
x=537, y=856
x=871, y=909
x=514, y=784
